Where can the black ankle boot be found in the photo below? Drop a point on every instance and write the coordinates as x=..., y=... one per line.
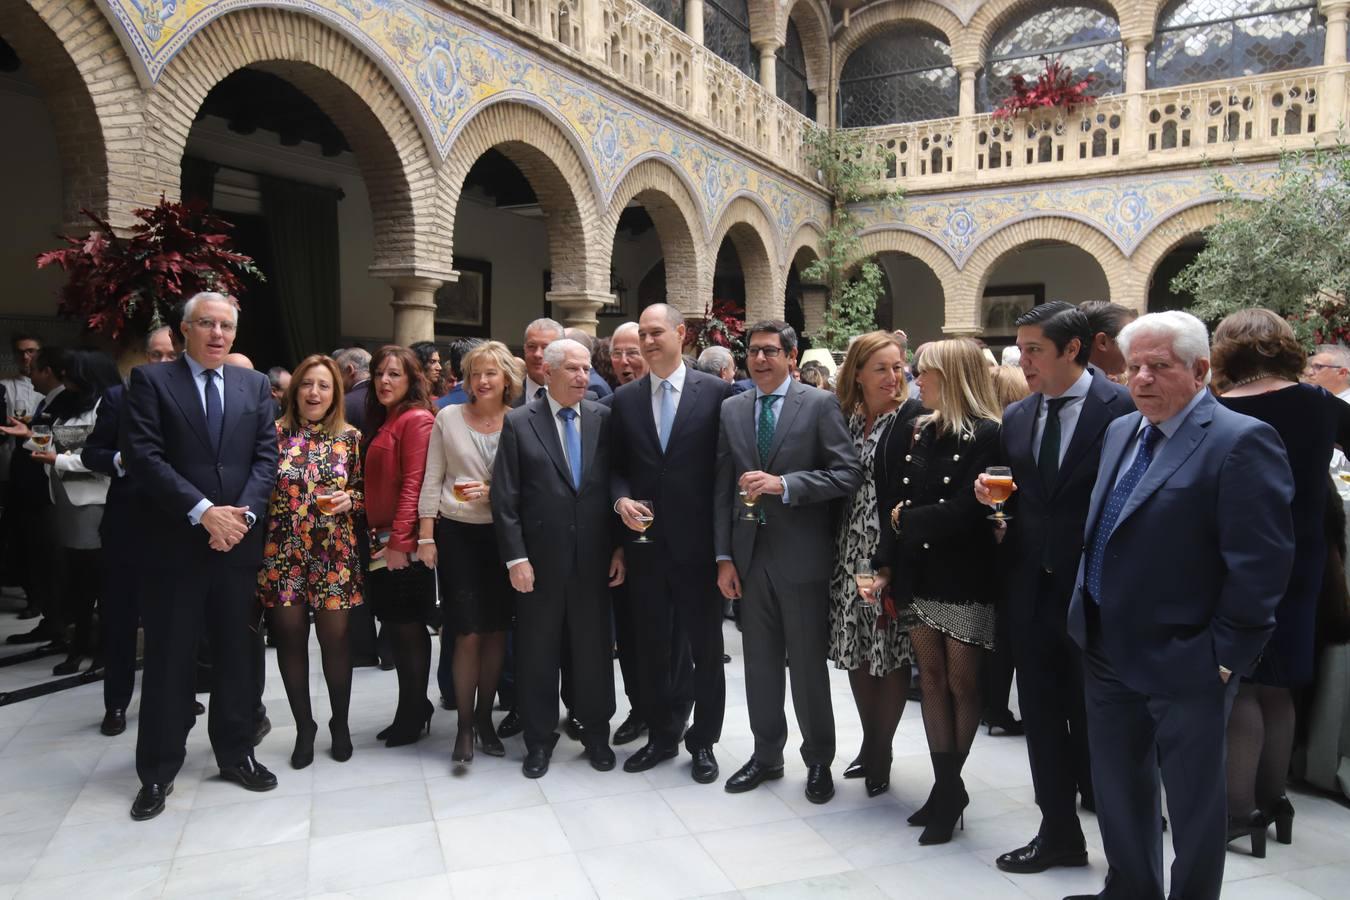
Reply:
x=303, y=754
x=341, y=750
x=1281, y=813
x=949, y=800
x=1254, y=825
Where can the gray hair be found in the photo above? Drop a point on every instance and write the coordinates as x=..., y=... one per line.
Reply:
x=716, y=360
x=356, y=357
x=154, y=331
x=1338, y=352
x=546, y=324
x=627, y=329
x=674, y=318
x=1188, y=335
x=274, y=375
x=556, y=352
x=190, y=307
x=581, y=337
x=1010, y=356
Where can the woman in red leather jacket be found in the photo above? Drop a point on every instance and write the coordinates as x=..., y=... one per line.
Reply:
x=401, y=591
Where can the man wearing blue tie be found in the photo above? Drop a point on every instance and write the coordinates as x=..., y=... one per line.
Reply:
x=1189, y=545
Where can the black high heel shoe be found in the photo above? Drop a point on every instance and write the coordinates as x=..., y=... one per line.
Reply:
x=303, y=754
x=488, y=740
x=1254, y=825
x=1004, y=722
x=342, y=742
x=948, y=809
x=856, y=769
x=402, y=735
x=1282, y=814
x=880, y=782
x=463, y=753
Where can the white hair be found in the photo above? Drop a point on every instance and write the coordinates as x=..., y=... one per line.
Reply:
x=626, y=330
x=1339, y=353
x=716, y=356
x=1010, y=356
x=546, y=324
x=190, y=307
x=356, y=357
x=556, y=352
x=1188, y=335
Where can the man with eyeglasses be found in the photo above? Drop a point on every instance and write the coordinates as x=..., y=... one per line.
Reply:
x=625, y=354
x=200, y=440
x=1329, y=368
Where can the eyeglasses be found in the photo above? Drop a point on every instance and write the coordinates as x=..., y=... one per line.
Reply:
x=1317, y=367
x=212, y=324
x=768, y=352
x=627, y=354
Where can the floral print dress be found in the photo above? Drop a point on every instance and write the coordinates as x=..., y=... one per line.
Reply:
x=311, y=557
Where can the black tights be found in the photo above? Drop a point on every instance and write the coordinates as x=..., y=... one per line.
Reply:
x=477, y=667
x=1260, y=743
x=289, y=626
x=881, y=702
x=412, y=660
x=949, y=673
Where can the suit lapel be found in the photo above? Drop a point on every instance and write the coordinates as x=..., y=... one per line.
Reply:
x=791, y=405
x=183, y=389
x=644, y=413
x=1174, y=452
x=1092, y=418
x=590, y=437
x=1112, y=451
x=541, y=420
x=1021, y=434
x=748, y=426
x=684, y=410
x=232, y=382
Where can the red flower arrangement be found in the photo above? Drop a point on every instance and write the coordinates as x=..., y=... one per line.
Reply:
x=1055, y=87
x=125, y=286
x=723, y=325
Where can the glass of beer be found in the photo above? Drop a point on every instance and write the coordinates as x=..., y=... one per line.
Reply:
x=326, y=499
x=461, y=489
x=42, y=436
x=865, y=576
x=751, y=503
x=644, y=520
x=999, y=481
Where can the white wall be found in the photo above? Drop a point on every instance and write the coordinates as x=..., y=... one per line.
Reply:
x=1068, y=273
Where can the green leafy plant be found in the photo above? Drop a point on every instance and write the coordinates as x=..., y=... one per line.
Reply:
x=852, y=170
x=1288, y=252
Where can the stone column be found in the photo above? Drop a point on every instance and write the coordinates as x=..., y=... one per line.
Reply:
x=822, y=108
x=814, y=297
x=768, y=66
x=1333, y=53
x=415, y=307
x=1332, y=99
x=693, y=19
x=578, y=308
x=1136, y=81
x=965, y=133
x=966, y=104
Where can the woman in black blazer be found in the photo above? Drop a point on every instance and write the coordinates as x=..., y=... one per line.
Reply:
x=936, y=555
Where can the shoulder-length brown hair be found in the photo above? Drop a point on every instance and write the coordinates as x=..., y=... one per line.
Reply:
x=1255, y=342
x=334, y=421
x=859, y=352
x=419, y=391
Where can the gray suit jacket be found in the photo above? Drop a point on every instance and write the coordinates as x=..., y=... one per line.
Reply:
x=814, y=452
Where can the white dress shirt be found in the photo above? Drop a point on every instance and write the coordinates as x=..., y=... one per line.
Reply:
x=1068, y=415
x=531, y=389
x=1166, y=430
x=676, y=380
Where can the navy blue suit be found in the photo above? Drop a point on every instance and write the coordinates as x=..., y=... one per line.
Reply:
x=1194, y=569
x=190, y=590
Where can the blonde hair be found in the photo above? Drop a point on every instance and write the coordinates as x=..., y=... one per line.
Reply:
x=859, y=352
x=1010, y=385
x=494, y=352
x=967, y=387
x=334, y=421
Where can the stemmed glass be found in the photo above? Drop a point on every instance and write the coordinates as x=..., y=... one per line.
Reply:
x=999, y=481
x=866, y=576
x=751, y=512
x=644, y=519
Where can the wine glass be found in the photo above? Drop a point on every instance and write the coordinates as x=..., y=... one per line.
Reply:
x=751, y=503
x=42, y=436
x=866, y=576
x=644, y=519
x=999, y=481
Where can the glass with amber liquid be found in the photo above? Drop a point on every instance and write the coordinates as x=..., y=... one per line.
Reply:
x=644, y=520
x=42, y=436
x=326, y=499
x=751, y=511
x=461, y=489
x=999, y=481
x=866, y=577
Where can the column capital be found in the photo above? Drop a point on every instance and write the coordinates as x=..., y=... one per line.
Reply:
x=1139, y=40
x=579, y=307
x=969, y=69
x=395, y=274
x=770, y=45
x=1327, y=7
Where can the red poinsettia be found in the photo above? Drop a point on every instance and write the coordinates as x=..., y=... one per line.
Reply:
x=723, y=325
x=127, y=285
x=1055, y=87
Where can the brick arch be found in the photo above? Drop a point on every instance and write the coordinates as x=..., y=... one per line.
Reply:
x=347, y=85
x=753, y=236
x=1162, y=240
x=814, y=29
x=996, y=13
x=882, y=17
x=895, y=240
x=807, y=240
x=86, y=79
x=561, y=177
x=675, y=212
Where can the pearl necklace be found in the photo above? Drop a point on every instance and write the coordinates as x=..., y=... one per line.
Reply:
x=1254, y=378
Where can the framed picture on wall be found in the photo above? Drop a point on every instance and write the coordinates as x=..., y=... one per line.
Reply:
x=464, y=307
x=1002, y=306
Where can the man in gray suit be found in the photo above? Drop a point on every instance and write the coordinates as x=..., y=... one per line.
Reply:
x=786, y=447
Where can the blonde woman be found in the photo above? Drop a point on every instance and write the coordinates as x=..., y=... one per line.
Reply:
x=936, y=553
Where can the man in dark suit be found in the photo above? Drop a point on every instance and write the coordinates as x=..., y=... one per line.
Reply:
x=199, y=439
x=664, y=430
x=354, y=364
x=1053, y=441
x=550, y=500
x=1189, y=548
x=786, y=446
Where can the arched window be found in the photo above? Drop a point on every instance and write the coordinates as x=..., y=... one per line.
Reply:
x=1084, y=37
x=903, y=75
x=1205, y=40
x=670, y=10
x=791, y=70
x=726, y=32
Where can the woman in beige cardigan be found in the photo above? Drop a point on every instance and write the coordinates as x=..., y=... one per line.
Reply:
x=456, y=538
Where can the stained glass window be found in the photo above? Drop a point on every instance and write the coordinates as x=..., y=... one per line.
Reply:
x=903, y=75
x=1205, y=40
x=726, y=32
x=1084, y=37
x=791, y=72
x=670, y=10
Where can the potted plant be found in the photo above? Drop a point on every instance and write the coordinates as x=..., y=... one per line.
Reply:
x=1054, y=88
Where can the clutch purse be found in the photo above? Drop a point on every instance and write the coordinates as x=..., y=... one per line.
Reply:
x=379, y=540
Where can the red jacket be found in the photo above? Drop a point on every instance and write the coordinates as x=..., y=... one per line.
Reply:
x=395, y=462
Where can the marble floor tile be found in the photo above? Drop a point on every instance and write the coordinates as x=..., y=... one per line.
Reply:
x=21, y=852
x=39, y=809
x=707, y=807
x=949, y=876
x=111, y=844
x=133, y=883
x=546, y=878
x=490, y=839
x=365, y=808
x=773, y=852
x=622, y=819
x=275, y=871
x=482, y=791
x=364, y=858
x=664, y=869
x=273, y=820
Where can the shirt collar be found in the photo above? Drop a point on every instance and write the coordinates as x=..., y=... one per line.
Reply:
x=780, y=391
x=1170, y=426
x=197, y=368
x=1079, y=389
x=554, y=406
x=51, y=395
x=531, y=389
x=676, y=380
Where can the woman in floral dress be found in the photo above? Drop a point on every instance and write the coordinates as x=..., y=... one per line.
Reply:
x=310, y=556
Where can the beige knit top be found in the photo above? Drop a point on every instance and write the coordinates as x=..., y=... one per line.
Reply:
x=456, y=451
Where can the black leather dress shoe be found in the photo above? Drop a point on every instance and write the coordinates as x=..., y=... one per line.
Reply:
x=648, y=756
x=572, y=725
x=602, y=757
x=752, y=775
x=261, y=730
x=819, y=784
x=1082, y=897
x=631, y=729
x=250, y=774
x=149, y=801
x=68, y=666
x=705, y=765
x=114, y=722
x=511, y=725
x=536, y=762
x=36, y=636
x=1039, y=856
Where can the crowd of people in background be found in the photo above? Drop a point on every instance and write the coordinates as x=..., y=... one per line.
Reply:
x=1122, y=513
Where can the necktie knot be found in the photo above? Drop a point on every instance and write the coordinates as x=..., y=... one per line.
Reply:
x=1147, y=438
x=1057, y=404
x=540, y=392
x=667, y=386
x=567, y=413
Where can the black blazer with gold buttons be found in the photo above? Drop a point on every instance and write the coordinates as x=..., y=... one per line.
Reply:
x=944, y=549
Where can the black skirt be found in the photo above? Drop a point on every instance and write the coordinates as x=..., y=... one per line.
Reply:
x=476, y=595
x=403, y=596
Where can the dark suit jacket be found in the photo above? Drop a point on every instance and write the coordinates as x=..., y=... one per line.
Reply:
x=522, y=400
x=1200, y=554
x=539, y=515
x=354, y=406
x=121, y=525
x=165, y=448
x=813, y=450
x=1050, y=521
x=680, y=479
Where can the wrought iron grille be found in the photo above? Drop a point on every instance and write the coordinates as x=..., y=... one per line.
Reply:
x=670, y=10
x=905, y=75
x=791, y=71
x=726, y=32
x=1084, y=37
x=1205, y=40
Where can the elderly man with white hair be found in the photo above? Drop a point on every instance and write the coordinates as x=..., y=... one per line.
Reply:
x=1188, y=548
x=551, y=505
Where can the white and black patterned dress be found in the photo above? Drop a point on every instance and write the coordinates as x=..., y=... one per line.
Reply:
x=855, y=642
